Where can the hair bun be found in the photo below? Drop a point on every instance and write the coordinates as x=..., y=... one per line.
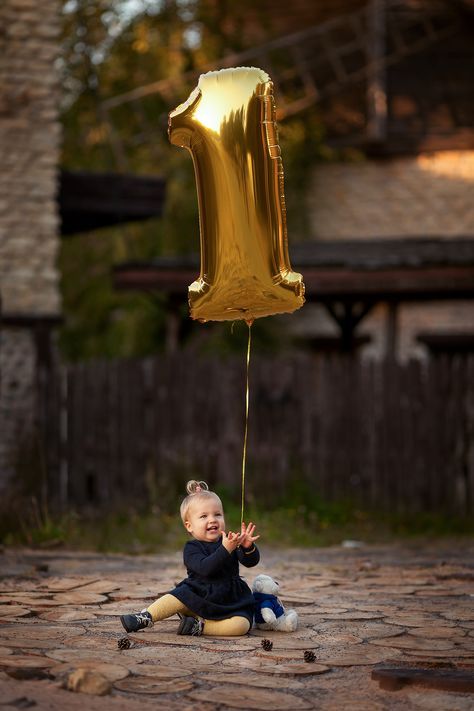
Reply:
x=195, y=487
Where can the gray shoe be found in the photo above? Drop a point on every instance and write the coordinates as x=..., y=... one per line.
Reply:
x=133, y=623
x=190, y=626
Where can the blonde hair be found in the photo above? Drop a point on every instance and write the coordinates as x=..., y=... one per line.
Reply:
x=196, y=490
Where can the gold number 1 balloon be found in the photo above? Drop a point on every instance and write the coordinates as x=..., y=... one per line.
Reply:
x=228, y=125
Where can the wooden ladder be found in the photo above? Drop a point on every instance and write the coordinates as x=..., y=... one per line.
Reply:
x=310, y=65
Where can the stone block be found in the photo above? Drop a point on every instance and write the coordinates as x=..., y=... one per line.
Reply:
x=88, y=682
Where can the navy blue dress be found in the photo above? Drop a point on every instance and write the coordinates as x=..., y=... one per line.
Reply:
x=213, y=589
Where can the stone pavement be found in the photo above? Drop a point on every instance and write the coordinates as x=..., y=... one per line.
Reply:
x=391, y=627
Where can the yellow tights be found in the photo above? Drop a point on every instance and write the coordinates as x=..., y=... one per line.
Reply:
x=169, y=605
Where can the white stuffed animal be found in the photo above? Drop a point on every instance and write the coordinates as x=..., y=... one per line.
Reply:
x=269, y=612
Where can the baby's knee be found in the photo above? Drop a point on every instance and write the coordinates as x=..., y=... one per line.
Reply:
x=230, y=627
x=241, y=625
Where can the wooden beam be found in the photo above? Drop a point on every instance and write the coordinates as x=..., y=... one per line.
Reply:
x=447, y=342
x=348, y=314
x=88, y=201
x=325, y=284
x=149, y=278
x=394, y=678
x=392, y=330
x=418, y=284
x=29, y=320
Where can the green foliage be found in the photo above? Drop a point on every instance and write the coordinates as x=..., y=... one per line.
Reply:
x=100, y=321
x=295, y=522
x=302, y=146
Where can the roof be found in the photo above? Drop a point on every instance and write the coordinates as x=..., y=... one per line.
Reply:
x=88, y=201
x=406, y=269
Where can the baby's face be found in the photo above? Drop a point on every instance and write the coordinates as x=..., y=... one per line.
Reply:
x=205, y=519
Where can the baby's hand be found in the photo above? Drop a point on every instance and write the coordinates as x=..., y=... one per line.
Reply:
x=231, y=541
x=248, y=539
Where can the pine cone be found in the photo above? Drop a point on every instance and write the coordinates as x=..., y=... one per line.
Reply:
x=267, y=644
x=309, y=656
x=124, y=643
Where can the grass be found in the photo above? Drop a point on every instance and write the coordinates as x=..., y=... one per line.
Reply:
x=314, y=523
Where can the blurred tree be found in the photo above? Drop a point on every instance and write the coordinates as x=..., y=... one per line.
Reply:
x=111, y=47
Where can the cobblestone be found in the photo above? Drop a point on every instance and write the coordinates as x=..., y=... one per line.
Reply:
x=359, y=610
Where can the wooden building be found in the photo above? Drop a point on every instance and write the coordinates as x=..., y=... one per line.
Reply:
x=392, y=81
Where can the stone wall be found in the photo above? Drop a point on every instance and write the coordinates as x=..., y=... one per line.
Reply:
x=29, y=155
x=17, y=401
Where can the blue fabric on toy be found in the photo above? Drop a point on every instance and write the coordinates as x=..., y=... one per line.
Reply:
x=271, y=601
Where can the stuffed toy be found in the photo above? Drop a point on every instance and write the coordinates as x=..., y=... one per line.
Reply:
x=269, y=612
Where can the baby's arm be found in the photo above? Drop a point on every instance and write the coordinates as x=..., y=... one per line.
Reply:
x=197, y=561
x=248, y=552
x=250, y=557
x=248, y=539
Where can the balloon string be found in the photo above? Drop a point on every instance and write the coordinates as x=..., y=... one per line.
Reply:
x=244, y=454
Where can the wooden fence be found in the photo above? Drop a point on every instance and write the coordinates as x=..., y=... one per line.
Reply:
x=396, y=437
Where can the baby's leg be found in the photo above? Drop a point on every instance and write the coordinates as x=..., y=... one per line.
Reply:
x=160, y=609
x=232, y=627
x=167, y=606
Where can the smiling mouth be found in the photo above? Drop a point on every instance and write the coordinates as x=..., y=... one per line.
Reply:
x=212, y=529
